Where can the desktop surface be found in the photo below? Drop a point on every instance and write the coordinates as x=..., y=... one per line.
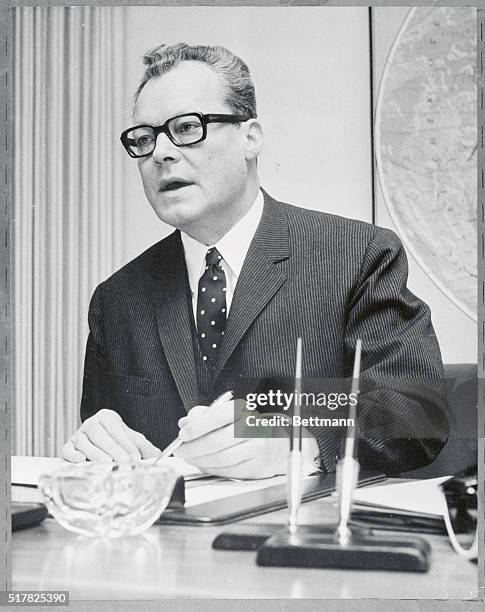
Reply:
x=178, y=561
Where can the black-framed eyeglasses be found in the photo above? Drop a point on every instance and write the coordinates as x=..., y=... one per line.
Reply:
x=183, y=131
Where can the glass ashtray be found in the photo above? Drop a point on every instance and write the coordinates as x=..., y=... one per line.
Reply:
x=108, y=499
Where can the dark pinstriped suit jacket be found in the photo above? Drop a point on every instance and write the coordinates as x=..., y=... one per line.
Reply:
x=328, y=278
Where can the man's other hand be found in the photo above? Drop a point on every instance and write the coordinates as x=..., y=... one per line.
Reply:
x=105, y=437
x=208, y=439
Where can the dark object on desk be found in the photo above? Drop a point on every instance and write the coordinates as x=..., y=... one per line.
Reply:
x=251, y=537
x=461, y=450
x=461, y=522
x=364, y=551
x=245, y=505
x=26, y=515
x=461, y=499
x=461, y=491
x=248, y=537
x=177, y=501
x=394, y=521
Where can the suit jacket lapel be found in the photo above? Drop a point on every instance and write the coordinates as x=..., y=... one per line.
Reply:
x=260, y=277
x=173, y=311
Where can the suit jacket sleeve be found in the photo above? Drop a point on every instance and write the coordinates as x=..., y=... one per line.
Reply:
x=402, y=406
x=95, y=386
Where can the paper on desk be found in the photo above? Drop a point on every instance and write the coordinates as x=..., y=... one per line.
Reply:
x=26, y=470
x=189, y=472
x=220, y=488
x=419, y=496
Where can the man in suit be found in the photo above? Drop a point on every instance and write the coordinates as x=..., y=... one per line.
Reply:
x=219, y=304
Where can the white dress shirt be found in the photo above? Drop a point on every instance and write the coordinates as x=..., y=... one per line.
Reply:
x=233, y=248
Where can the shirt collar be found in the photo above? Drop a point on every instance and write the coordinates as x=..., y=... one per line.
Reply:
x=233, y=246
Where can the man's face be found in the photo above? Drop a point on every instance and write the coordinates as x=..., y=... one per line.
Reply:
x=209, y=179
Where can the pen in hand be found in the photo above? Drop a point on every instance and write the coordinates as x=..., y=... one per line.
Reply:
x=225, y=397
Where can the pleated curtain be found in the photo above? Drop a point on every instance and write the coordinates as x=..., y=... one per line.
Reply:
x=68, y=98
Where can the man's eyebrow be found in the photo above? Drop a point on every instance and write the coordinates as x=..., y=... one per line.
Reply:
x=157, y=123
x=141, y=122
x=136, y=120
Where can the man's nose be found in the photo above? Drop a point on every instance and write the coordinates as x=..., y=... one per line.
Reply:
x=165, y=150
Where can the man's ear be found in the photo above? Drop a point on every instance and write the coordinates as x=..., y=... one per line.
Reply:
x=254, y=138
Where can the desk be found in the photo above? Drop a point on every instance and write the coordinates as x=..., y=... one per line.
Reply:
x=169, y=562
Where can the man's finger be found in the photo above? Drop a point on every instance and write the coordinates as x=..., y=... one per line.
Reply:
x=146, y=449
x=213, y=442
x=69, y=453
x=103, y=440
x=195, y=411
x=247, y=458
x=235, y=453
x=82, y=443
x=198, y=424
x=118, y=431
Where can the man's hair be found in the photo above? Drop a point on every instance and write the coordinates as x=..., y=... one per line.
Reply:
x=235, y=73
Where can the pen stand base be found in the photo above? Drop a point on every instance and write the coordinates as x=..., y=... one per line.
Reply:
x=251, y=537
x=364, y=551
x=246, y=537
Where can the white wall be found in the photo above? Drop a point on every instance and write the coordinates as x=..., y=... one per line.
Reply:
x=310, y=66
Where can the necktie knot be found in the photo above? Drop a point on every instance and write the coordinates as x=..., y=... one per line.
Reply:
x=213, y=257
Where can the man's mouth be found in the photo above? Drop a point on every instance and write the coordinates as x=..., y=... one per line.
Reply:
x=173, y=184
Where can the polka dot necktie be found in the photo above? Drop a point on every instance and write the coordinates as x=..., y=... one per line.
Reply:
x=211, y=307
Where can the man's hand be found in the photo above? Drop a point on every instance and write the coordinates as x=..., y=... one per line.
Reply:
x=104, y=437
x=209, y=444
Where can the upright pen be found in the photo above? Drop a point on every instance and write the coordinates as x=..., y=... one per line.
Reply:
x=348, y=467
x=294, y=461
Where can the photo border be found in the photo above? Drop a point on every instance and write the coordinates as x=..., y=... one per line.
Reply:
x=6, y=318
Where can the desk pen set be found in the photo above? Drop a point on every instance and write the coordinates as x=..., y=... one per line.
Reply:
x=333, y=545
